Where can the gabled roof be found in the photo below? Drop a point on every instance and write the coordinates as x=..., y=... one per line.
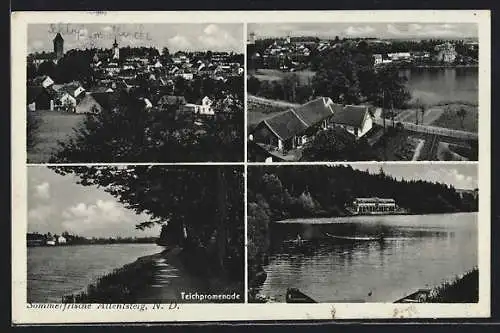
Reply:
x=314, y=111
x=39, y=79
x=106, y=100
x=172, y=100
x=351, y=115
x=285, y=125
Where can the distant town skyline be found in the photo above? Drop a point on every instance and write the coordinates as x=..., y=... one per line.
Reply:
x=57, y=203
x=395, y=30
x=176, y=37
x=460, y=176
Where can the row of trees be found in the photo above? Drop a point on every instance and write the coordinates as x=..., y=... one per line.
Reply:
x=73, y=239
x=205, y=201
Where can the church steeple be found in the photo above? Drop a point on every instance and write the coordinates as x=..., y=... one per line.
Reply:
x=116, y=50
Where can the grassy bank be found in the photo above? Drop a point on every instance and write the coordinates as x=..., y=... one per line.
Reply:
x=123, y=285
x=462, y=289
x=144, y=282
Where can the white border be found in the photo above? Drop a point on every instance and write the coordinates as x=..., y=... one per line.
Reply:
x=226, y=312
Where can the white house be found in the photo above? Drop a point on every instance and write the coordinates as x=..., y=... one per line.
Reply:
x=61, y=240
x=206, y=107
x=377, y=58
x=44, y=81
x=356, y=119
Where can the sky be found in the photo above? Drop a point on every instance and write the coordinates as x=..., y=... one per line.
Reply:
x=57, y=203
x=461, y=176
x=366, y=29
x=183, y=37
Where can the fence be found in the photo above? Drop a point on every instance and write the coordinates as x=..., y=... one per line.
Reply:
x=433, y=130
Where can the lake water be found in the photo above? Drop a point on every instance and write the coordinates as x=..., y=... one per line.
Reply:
x=418, y=251
x=435, y=85
x=62, y=270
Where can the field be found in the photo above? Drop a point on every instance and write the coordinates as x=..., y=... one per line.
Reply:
x=305, y=76
x=450, y=119
x=54, y=126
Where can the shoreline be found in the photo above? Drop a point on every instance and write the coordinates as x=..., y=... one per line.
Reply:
x=142, y=281
x=293, y=220
x=464, y=288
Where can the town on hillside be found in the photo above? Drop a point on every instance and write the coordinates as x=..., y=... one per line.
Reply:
x=362, y=99
x=190, y=94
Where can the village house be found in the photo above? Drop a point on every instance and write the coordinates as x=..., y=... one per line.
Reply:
x=205, y=109
x=96, y=102
x=61, y=240
x=356, y=119
x=44, y=81
x=294, y=127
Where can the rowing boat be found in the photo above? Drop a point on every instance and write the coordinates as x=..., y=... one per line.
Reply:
x=355, y=238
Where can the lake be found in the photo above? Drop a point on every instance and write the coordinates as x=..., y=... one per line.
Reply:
x=62, y=270
x=436, y=85
x=418, y=251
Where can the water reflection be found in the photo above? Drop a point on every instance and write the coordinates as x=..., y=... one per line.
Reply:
x=410, y=255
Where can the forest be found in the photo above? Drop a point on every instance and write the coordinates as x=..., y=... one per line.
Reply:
x=283, y=192
x=200, y=209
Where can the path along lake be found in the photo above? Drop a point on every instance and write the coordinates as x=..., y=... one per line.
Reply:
x=61, y=270
x=437, y=85
x=418, y=251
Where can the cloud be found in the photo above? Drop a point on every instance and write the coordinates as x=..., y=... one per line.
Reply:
x=37, y=44
x=107, y=28
x=216, y=38
x=392, y=29
x=40, y=213
x=84, y=217
x=42, y=191
x=363, y=30
x=179, y=42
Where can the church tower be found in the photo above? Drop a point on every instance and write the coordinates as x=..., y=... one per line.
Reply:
x=116, y=51
x=58, y=46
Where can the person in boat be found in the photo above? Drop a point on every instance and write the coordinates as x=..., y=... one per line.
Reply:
x=298, y=239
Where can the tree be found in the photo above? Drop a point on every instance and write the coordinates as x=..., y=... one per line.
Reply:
x=461, y=113
x=337, y=78
x=170, y=194
x=420, y=106
x=335, y=144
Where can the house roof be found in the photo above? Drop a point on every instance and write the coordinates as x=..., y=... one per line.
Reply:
x=314, y=111
x=39, y=79
x=172, y=100
x=375, y=200
x=351, y=115
x=106, y=100
x=285, y=124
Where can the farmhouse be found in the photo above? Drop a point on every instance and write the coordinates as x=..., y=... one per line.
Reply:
x=294, y=127
x=356, y=119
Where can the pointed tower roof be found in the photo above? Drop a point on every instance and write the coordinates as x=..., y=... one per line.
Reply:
x=115, y=44
x=58, y=37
